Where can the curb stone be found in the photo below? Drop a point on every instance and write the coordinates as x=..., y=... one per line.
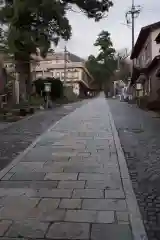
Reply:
x=137, y=225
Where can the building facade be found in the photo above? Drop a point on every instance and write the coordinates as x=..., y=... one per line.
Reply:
x=70, y=69
x=145, y=55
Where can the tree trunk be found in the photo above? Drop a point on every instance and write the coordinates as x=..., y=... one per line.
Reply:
x=22, y=67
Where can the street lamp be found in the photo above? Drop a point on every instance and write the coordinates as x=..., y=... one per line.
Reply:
x=139, y=86
x=47, y=89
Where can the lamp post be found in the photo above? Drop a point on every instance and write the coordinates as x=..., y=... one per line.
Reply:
x=114, y=88
x=47, y=89
x=65, y=64
x=139, y=88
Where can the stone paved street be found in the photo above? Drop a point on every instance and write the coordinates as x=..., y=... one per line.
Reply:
x=16, y=137
x=72, y=184
x=139, y=133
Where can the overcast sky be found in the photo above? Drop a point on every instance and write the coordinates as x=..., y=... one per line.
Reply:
x=85, y=31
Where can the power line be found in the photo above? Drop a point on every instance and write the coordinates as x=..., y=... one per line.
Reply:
x=127, y=25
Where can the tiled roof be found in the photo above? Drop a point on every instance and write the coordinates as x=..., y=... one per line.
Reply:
x=60, y=56
x=73, y=58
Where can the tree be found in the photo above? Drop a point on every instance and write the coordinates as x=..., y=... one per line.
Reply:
x=35, y=24
x=103, y=66
x=96, y=69
x=122, y=54
x=124, y=71
x=123, y=65
x=106, y=50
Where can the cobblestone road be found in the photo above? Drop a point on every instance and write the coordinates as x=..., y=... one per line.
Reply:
x=72, y=184
x=18, y=136
x=139, y=132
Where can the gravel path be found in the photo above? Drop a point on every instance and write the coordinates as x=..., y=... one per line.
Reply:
x=139, y=132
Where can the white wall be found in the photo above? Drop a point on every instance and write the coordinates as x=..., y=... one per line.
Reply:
x=74, y=71
x=155, y=46
x=76, y=88
x=142, y=61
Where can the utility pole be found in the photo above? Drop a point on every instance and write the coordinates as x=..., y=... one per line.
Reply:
x=131, y=15
x=133, y=25
x=118, y=63
x=65, y=65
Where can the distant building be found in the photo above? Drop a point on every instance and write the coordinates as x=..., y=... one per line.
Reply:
x=76, y=74
x=52, y=66
x=146, y=57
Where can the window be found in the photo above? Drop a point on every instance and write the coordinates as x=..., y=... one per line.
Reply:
x=149, y=85
x=62, y=75
x=57, y=60
x=76, y=74
x=147, y=53
x=57, y=74
x=69, y=74
x=141, y=60
x=73, y=74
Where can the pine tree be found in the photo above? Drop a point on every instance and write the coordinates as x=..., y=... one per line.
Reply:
x=103, y=66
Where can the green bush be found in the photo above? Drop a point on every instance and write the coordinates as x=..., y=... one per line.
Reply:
x=36, y=101
x=39, y=85
x=56, y=87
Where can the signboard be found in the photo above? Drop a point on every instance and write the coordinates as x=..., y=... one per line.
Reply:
x=47, y=87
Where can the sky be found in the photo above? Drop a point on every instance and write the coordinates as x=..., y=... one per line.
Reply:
x=85, y=31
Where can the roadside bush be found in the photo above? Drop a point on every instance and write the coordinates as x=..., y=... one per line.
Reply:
x=39, y=86
x=36, y=101
x=56, y=87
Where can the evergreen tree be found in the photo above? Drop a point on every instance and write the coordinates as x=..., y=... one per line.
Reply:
x=32, y=24
x=103, y=66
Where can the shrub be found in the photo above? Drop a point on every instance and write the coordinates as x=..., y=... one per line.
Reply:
x=56, y=87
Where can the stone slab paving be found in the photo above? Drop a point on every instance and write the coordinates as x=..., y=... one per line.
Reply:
x=71, y=184
x=16, y=137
